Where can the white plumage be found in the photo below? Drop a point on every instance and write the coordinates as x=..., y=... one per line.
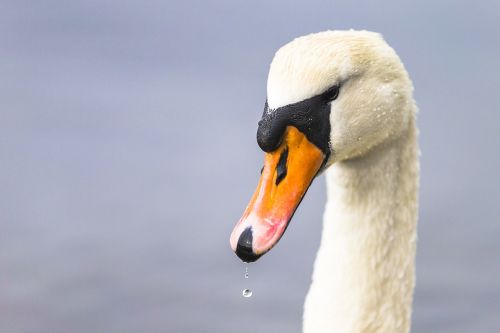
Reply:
x=364, y=271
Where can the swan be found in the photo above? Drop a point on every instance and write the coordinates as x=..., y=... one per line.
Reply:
x=341, y=103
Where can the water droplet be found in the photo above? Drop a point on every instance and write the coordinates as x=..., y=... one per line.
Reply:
x=246, y=272
x=246, y=293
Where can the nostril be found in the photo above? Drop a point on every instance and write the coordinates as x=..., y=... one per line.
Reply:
x=281, y=169
x=244, y=248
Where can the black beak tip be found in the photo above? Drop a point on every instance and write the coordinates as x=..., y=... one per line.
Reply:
x=244, y=248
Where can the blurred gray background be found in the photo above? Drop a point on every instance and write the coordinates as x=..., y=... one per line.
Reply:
x=128, y=153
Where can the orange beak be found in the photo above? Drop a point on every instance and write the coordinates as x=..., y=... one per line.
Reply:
x=287, y=174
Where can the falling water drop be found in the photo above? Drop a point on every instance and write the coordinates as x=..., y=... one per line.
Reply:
x=247, y=293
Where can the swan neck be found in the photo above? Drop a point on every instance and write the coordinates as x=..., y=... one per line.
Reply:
x=364, y=275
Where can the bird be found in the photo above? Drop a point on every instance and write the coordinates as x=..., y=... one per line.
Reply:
x=340, y=103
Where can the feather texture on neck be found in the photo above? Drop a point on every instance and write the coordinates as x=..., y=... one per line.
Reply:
x=364, y=272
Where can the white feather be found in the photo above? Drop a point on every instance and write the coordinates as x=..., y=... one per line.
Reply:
x=364, y=272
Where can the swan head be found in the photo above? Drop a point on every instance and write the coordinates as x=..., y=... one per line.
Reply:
x=331, y=96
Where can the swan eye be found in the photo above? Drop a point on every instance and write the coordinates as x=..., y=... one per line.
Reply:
x=332, y=93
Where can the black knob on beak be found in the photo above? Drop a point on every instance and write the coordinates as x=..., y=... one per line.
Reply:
x=244, y=248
